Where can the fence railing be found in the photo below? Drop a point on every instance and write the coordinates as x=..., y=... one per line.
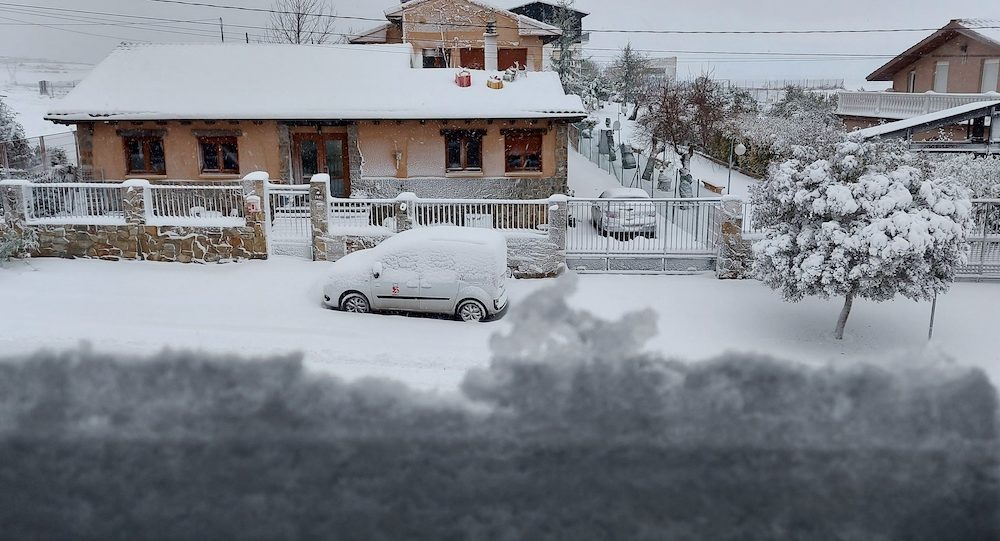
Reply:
x=643, y=227
x=74, y=203
x=524, y=215
x=377, y=216
x=104, y=203
x=200, y=205
x=984, y=256
x=901, y=105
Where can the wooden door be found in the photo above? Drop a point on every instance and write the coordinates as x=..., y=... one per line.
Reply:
x=507, y=57
x=315, y=153
x=473, y=59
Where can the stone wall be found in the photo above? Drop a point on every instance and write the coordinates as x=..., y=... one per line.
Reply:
x=139, y=241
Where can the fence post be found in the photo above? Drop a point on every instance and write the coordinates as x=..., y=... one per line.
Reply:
x=403, y=210
x=254, y=185
x=12, y=201
x=733, y=255
x=135, y=205
x=558, y=221
x=319, y=211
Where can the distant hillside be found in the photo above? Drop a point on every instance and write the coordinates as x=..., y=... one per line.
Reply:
x=19, y=78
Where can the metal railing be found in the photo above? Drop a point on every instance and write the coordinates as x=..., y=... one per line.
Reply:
x=509, y=214
x=643, y=227
x=196, y=205
x=901, y=105
x=984, y=256
x=374, y=216
x=73, y=203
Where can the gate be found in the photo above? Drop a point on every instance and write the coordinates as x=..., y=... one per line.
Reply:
x=643, y=236
x=289, y=220
x=984, y=243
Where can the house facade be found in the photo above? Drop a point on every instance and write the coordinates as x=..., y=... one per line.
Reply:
x=453, y=33
x=956, y=65
x=375, y=122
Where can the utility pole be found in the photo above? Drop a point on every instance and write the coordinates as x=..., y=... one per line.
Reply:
x=930, y=329
x=222, y=35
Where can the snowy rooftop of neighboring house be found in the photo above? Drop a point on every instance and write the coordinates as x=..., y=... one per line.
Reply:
x=891, y=127
x=526, y=25
x=297, y=82
x=988, y=28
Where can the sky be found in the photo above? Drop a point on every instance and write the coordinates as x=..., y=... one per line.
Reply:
x=725, y=56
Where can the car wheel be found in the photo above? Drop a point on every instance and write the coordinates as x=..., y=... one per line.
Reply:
x=470, y=310
x=356, y=303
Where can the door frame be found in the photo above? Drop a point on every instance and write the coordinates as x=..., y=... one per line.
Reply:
x=320, y=138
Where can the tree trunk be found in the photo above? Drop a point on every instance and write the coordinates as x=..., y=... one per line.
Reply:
x=635, y=113
x=842, y=320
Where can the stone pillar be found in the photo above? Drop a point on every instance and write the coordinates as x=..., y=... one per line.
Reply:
x=562, y=158
x=357, y=160
x=12, y=201
x=558, y=221
x=134, y=203
x=285, y=151
x=319, y=209
x=254, y=185
x=733, y=261
x=403, y=210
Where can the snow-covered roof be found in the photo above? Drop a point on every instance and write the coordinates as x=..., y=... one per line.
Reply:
x=297, y=82
x=890, y=127
x=987, y=28
x=372, y=35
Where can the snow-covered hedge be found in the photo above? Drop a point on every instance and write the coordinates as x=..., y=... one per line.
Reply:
x=574, y=432
x=980, y=174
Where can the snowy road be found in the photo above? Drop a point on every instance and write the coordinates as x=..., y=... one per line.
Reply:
x=273, y=306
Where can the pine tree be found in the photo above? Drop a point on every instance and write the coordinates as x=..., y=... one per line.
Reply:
x=859, y=219
x=565, y=60
x=630, y=74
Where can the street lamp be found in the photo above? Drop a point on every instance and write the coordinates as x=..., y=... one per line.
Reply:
x=739, y=149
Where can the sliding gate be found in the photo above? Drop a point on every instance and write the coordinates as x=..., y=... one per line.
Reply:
x=643, y=236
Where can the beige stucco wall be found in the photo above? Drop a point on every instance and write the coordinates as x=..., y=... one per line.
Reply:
x=965, y=69
x=423, y=28
x=423, y=148
x=258, y=148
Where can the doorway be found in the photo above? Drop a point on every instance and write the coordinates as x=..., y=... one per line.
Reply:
x=314, y=153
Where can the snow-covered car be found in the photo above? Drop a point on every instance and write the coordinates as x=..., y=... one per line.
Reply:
x=625, y=212
x=458, y=271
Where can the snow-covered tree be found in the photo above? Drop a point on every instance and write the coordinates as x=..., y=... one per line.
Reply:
x=565, y=60
x=302, y=22
x=981, y=174
x=630, y=71
x=799, y=117
x=859, y=219
x=14, y=146
x=688, y=115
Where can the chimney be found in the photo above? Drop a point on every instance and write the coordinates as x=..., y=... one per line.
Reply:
x=490, y=46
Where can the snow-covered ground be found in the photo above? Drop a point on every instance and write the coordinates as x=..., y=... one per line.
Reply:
x=19, y=79
x=274, y=306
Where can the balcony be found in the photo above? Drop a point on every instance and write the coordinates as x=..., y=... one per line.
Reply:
x=902, y=105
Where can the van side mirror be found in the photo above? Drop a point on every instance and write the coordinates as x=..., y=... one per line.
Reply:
x=376, y=269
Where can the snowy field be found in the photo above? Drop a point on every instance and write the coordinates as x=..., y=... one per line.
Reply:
x=19, y=79
x=273, y=306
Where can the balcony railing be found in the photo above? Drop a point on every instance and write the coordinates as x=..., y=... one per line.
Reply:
x=902, y=105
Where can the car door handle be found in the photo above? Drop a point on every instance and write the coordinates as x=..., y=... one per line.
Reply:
x=413, y=283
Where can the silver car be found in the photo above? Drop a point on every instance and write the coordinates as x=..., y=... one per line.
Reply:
x=624, y=212
x=457, y=271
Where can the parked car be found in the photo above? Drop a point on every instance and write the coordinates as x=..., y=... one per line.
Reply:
x=448, y=270
x=624, y=212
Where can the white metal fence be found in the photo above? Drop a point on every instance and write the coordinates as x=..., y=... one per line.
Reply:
x=643, y=235
x=289, y=219
x=73, y=203
x=984, y=256
x=200, y=205
x=901, y=105
x=520, y=215
x=103, y=203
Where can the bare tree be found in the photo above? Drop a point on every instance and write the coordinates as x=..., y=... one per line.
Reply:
x=302, y=22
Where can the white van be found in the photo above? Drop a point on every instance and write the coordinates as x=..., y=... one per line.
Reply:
x=442, y=269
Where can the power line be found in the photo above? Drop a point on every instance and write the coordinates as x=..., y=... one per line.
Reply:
x=595, y=30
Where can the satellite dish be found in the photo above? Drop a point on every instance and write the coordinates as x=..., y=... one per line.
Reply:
x=617, y=125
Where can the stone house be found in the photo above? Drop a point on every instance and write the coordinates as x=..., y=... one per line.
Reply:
x=375, y=121
x=958, y=64
x=452, y=33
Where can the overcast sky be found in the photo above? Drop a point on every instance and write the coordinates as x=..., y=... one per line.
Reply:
x=63, y=44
